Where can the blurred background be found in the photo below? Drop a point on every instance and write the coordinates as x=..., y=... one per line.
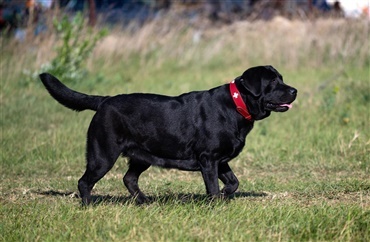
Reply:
x=288, y=33
x=17, y=13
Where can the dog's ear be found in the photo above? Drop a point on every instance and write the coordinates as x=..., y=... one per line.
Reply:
x=251, y=80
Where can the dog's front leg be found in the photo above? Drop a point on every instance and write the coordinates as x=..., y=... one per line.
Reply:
x=209, y=171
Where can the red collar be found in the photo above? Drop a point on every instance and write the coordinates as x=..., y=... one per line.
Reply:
x=239, y=103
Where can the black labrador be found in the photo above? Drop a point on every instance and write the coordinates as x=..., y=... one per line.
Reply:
x=196, y=131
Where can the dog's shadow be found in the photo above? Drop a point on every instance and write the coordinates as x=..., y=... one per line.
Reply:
x=161, y=199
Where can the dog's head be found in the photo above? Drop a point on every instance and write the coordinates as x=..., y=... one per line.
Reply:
x=265, y=91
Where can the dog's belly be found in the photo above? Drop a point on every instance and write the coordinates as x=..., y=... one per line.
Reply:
x=181, y=164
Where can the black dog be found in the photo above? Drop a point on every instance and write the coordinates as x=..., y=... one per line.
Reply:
x=196, y=131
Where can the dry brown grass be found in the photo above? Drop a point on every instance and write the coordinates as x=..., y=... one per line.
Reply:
x=283, y=42
x=289, y=43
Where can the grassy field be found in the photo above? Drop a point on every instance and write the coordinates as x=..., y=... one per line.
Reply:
x=304, y=174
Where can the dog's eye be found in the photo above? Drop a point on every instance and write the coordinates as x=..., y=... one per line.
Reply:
x=274, y=81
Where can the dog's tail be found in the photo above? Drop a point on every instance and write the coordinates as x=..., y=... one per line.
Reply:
x=69, y=98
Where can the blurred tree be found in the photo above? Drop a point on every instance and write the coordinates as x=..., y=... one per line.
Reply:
x=92, y=13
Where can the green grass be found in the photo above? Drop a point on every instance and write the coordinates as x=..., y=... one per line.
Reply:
x=304, y=174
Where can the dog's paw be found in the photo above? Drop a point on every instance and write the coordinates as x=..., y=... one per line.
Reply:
x=141, y=199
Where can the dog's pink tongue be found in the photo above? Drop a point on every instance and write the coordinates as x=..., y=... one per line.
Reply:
x=287, y=105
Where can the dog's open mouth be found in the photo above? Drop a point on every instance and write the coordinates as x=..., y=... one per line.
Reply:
x=279, y=107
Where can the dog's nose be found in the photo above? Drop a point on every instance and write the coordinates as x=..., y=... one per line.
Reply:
x=293, y=91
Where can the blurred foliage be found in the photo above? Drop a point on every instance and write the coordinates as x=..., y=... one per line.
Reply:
x=76, y=43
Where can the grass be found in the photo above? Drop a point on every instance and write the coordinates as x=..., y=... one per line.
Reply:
x=304, y=174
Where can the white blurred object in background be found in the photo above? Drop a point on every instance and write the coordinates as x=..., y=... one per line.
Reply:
x=354, y=8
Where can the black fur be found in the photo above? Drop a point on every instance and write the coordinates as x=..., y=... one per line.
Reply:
x=196, y=131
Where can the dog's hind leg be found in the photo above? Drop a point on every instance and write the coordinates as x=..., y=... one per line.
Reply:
x=131, y=179
x=226, y=175
x=96, y=168
x=101, y=155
